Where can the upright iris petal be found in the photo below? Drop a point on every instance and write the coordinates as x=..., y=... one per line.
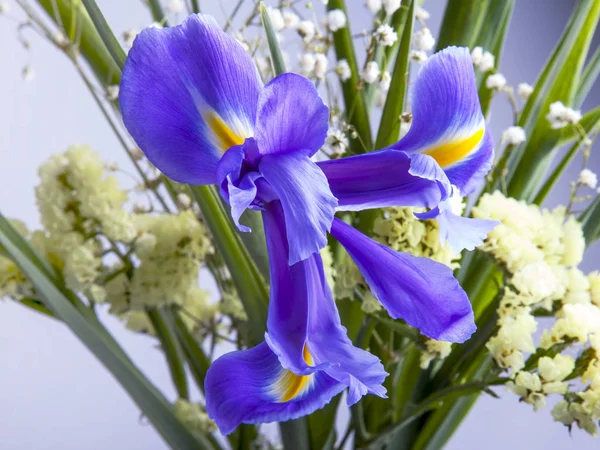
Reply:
x=307, y=358
x=188, y=93
x=191, y=95
x=447, y=145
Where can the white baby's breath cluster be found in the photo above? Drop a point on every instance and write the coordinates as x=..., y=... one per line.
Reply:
x=540, y=251
x=423, y=41
x=560, y=115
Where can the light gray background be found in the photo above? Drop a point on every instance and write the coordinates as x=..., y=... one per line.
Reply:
x=53, y=393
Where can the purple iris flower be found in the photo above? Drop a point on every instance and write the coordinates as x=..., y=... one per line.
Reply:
x=447, y=151
x=193, y=101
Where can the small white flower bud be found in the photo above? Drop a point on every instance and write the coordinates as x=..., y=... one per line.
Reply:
x=276, y=18
x=487, y=62
x=175, y=6
x=373, y=5
x=307, y=63
x=588, y=178
x=524, y=90
x=184, y=200
x=386, y=35
x=384, y=83
x=421, y=14
x=336, y=19
x=343, y=70
x=307, y=30
x=291, y=20
x=514, y=135
x=418, y=56
x=371, y=72
x=28, y=74
x=112, y=92
x=423, y=40
x=495, y=81
x=320, y=65
x=391, y=6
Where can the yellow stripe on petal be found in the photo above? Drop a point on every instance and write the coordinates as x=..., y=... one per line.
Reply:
x=224, y=137
x=289, y=385
x=451, y=152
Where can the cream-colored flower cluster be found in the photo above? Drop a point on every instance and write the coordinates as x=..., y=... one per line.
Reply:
x=540, y=251
x=193, y=416
x=13, y=282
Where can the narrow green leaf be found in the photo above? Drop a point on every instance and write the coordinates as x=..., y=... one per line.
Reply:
x=590, y=222
x=78, y=27
x=357, y=114
x=37, y=305
x=294, y=434
x=588, y=78
x=276, y=56
x=106, y=34
x=194, y=355
x=195, y=6
x=246, y=278
x=389, y=127
x=591, y=124
x=462, y=22
x=171, y=350
x=256, y=242
x=158, y=14
x=559, y=81
x=153, y=405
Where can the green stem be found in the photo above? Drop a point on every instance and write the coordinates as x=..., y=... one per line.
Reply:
x=157, y=12
x=171, y=350
x=106, y=34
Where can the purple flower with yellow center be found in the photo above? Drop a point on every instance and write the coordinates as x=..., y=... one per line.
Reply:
x=447, y=151
x=193, y=101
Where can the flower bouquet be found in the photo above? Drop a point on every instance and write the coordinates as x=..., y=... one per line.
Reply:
x=380, y=260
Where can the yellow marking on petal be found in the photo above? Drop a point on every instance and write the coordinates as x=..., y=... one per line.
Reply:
x=451, y=152
x=290, y=384
x=224, y=135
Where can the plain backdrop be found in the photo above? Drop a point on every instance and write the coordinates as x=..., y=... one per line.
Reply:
x=53, y=393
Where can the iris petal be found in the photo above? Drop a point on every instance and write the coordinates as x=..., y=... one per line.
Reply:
x=308, y=203
x=377, y=180
x=250, y=386
x=303, y=315
x=187, y=94
x=447, y=122
x=291, y=116
x=419, y=290
x=463, y=232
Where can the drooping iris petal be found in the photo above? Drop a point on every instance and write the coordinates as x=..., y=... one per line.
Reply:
x=447, y=122
x=303, y=319
x=187, y=94
x=308, y=203
x=463, y=232
x=250, y=386
x=291, y=116
x=419, y=290
x=379, y=179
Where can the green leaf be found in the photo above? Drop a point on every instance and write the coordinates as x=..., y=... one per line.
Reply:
x=590, y=222
x=528, y=162
x=591, y=124
x=357, y=114
x=106, y=34
x=389, y=127
x=77, y=25
x=171, y=350
x=295, y=434
x=196, y=6
x=246, y=278
x=462, y=22
x=192, y=351
x=152, y=403
x=276, y=56
x=588, y=78
x=158, y=14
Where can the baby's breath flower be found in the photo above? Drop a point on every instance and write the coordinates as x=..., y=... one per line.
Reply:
x=307, y=63
x=423, y=40
x=184, y=200
x=371, y=72
x=513, y=135
x=307, y=30
x=128, y=37
x=421, y=14
x=391, y=6
x=336, y=19
x=321, y=64
x=483, y=60
x=587, y=178
x=385, y=81
x=496, y=81
x=175, y=6
x=290, y=20
x=373, y=5
x=343, y=70
x=386, y=35
x=524, y=90
x=112, y=92
x=418, y=56
x=276, y=18
x=561, y=115
x=337, y=141
x=27, y=74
